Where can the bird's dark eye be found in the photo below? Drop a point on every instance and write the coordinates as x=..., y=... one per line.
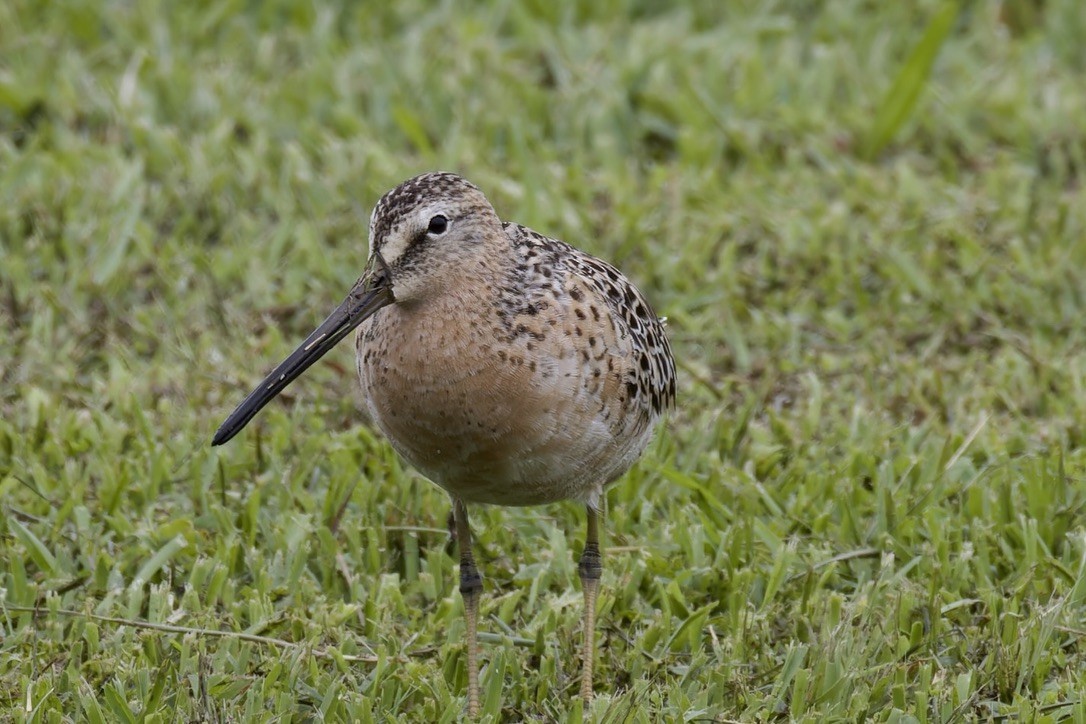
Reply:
x=438, y=224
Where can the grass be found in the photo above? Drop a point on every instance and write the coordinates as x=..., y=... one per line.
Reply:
x=865, y=222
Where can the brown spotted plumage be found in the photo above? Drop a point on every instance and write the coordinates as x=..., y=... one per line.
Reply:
x=508, y=367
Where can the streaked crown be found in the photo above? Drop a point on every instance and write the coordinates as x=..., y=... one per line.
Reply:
x=422, y=210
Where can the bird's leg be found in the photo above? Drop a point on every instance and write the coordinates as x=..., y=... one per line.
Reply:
x=450, y=524
x=590, y=568
x=471, y=584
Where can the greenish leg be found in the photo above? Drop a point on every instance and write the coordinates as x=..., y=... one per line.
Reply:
x=471, y=584
x=590, y=568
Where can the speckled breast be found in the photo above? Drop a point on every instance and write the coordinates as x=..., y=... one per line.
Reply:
x=486, y=419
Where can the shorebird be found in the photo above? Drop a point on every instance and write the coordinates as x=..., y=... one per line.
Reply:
x=508, y=367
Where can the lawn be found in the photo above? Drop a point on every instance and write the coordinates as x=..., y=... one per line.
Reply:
x=865, y=222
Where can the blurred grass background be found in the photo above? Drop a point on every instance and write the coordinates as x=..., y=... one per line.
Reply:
x=865, y=222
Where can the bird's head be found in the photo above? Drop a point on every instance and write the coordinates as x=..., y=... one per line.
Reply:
x=427, y=231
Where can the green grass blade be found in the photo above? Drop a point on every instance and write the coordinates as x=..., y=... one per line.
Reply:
x=161, y=557
x=902, y=97
x=38, y=551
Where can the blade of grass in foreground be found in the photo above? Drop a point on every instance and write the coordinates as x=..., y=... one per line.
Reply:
x=900, y=101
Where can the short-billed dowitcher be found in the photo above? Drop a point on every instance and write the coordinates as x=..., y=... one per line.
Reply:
x=508, y=367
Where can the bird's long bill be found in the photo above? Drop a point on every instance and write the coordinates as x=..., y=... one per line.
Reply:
x=369, y=294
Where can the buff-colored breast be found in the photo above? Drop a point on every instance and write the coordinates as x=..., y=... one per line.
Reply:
x=494, y=418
